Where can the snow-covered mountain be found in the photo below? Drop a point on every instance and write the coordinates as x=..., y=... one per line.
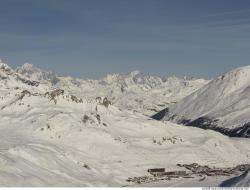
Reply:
x=147, y=94
x=135, y=79
x=135, y=91
x=9, y=78
x=223, y=105
x=34, y=73
x=65, y=135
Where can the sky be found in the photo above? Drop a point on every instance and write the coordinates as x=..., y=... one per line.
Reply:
x=91, y=38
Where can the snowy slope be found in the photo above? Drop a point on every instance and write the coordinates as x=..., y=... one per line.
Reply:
x=54, y=138
x=240, y=181
x=49, y=144
x=223, y=104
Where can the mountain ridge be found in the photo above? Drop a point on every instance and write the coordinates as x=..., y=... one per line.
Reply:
x=222, y=105
x=126, y=90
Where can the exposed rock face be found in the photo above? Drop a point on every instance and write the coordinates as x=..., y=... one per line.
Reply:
x=55, y=93
x=75, y=99
x=28, y=82
x=103, y=101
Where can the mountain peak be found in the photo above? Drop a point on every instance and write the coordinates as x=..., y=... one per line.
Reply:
x=27, y=66
x=238, y=72
x=136, y=72
x=5, y=66
x=34, y=73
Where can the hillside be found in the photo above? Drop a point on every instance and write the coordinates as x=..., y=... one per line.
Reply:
x=223, y=105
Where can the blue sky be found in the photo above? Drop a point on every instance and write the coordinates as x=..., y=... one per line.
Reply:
x=90, y=38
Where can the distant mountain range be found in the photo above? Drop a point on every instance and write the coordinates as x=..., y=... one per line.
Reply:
x=134, y=91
